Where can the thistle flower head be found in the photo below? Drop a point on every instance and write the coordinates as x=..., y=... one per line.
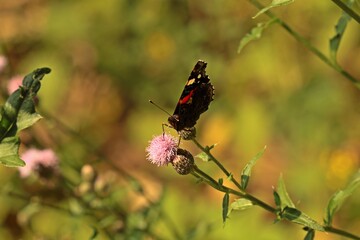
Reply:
x=183, y=162
x=41, y=162
x=162, y=149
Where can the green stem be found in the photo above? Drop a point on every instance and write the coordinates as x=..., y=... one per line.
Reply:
x=209, y=179
x=212, y=158
x=225, y=189
x=212, y=182
x=308, y=45
x=348, y=10
x=341, y=233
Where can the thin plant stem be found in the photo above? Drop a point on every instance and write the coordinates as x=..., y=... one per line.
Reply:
x=309, y=46
x=341, y=232
x=212, y=158
x=209, y=179
x=348, y=10
x=222, y=188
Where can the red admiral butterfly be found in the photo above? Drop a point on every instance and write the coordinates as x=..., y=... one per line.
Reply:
x=194, y=99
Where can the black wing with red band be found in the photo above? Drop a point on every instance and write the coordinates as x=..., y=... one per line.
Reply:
x=194, y=100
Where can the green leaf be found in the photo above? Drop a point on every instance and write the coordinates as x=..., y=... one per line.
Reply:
x=220, y=182
x=274, y=3
x=339, y=197
x=9, y=112
x=27, y=115
x=296, y=216
x=203, y=156
x=244, y=180
x=240, y=204
x=310, y=235
x=94, y=233
x=9, y=148
x=21, y=101
x=285, y=199
x=339, y=32
x=254, y=34
x=246, y=172
x=208, y=148
x=26, y=120
x=17, y=114
x=277, y=199
x=225, y=207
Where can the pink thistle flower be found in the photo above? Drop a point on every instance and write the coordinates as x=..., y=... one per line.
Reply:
x=37, y=161
x=14, y=83
x=162, y=149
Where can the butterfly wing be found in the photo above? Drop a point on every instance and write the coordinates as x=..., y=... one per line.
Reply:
x=194, y=100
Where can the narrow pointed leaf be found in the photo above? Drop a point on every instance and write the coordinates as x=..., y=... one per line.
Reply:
x=246, y=172
x=283, y=194
x=296, y=216
x=94, y=233
x=225, y=207
x=255, y=34
x=339, y=32
x=338, y=199
x=9, y=148
x=274, y=3
x=208, y=148
x=310, y=235
x=277, y=199
x=220, y=182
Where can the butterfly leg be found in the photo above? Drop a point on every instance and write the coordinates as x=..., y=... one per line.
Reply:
x=179, y=140
x=163, y=125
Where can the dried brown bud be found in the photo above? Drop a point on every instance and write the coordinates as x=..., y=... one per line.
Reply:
x=183, y=162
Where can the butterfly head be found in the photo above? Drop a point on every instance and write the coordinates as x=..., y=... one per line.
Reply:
x=174, y=121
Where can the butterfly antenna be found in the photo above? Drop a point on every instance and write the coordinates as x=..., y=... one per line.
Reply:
x=160, y=108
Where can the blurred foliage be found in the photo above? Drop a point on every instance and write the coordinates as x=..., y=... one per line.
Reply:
x=110, y=57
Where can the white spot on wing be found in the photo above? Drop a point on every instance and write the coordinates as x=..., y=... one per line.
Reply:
x=191, y=81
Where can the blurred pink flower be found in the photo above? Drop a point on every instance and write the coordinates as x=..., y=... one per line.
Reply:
x=14, y=83
x=36, y=160
x=3, y=62
x=162, y=149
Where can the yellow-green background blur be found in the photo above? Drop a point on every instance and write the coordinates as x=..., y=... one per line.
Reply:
x=108, y=58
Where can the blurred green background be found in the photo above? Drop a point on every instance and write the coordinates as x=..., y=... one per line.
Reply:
x=108, y=58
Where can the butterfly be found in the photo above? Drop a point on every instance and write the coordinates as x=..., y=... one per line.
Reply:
x=194, y=100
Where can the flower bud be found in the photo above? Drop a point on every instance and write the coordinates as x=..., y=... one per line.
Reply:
x=183, y=162
x=88, y=173
x=188, y=133
x=84, y=188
